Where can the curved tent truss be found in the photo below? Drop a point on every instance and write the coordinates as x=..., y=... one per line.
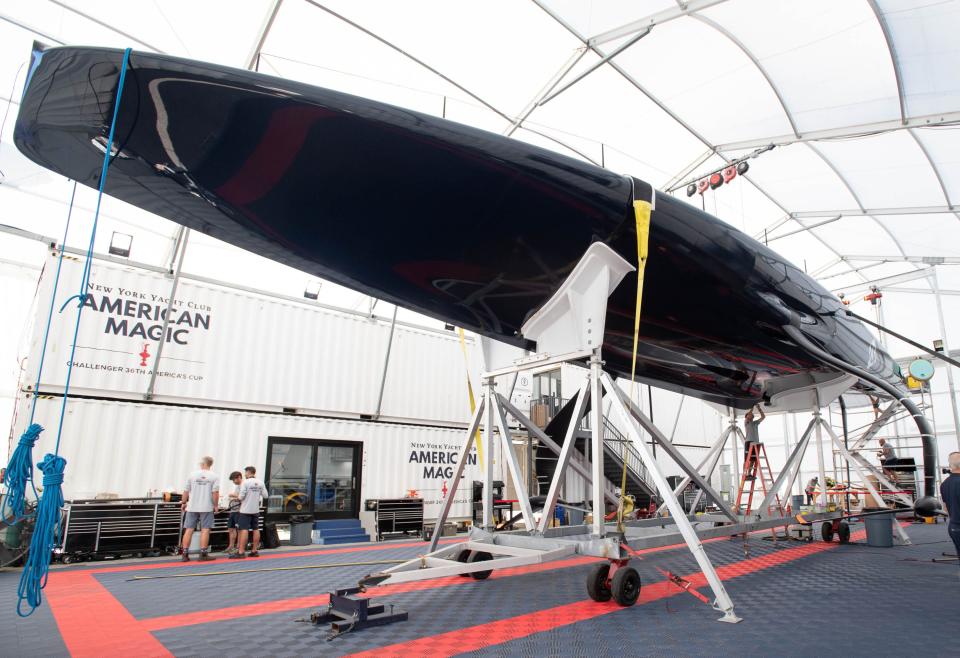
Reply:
x=861, y=99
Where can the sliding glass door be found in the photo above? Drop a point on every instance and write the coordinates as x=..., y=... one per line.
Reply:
x=317, y=478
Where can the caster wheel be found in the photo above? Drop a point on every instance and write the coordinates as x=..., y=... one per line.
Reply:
x=480, y=556
x=843, y=533
x=464, y=557
x=598, y=582
x=826, y=531
x=626, y=586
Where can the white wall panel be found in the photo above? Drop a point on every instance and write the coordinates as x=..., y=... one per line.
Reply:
x=232, y=348
x=131, y=448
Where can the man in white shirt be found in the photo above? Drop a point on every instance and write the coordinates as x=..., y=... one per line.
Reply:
x=252, y=491
x=200, y=497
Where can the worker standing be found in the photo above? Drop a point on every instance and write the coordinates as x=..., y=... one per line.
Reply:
x=751, y=431
x=950, y=495
x=252, y=491
x=233, y=505
x=810, y=489
x=200, y=497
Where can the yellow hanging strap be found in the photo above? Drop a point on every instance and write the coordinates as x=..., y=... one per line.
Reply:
x=473, y=402
x=641, y=211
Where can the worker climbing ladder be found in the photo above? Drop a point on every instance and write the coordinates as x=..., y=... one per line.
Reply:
x=753, y=472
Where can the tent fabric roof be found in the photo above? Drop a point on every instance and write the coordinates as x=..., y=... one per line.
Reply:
x=860, y=98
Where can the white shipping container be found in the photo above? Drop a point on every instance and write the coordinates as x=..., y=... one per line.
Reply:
x=230, y=348
x=129, y=449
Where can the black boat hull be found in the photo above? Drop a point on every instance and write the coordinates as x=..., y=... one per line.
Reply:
x=453, y=222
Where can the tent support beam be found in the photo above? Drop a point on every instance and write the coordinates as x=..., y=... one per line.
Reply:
x=922, y=121
x=665, y=16
x=264, y=32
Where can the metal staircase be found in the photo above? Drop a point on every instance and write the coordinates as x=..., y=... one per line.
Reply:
x=617, y=449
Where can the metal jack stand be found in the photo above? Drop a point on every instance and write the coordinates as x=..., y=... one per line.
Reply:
x=570, y=328
x=347, y=613
x=791, y=469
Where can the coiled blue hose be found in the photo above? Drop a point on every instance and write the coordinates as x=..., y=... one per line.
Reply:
x=19, y=472
x=45, y=535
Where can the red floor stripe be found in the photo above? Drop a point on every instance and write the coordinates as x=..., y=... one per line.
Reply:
x=263, y=556
x=94, y=623
x=298, y=603
x=513, y=628
x=286, y=605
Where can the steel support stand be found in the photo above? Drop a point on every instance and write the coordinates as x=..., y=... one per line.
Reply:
x=722, y=600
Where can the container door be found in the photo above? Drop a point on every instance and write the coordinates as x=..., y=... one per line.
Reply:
x=337, y=484
x=290, y=467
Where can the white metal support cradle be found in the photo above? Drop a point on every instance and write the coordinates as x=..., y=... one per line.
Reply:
x=569, y=328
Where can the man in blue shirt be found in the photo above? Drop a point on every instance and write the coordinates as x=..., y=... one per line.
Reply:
x=950, y=495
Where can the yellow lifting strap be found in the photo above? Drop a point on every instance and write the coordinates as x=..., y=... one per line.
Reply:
x=473, y=402
x=641, y=212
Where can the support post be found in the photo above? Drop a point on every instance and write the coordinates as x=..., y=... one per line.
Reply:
x=457, y=473
x=386, y=364
x=148, y=395
x=735, y=460
x=596, y=427
x=822, y=504
x=951, y=388
x=487, y=439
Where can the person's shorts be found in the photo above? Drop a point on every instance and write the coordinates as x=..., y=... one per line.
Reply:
x=248, y=522
x=233, y=521
x=191, y=519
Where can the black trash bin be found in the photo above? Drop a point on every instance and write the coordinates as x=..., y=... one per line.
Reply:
x=879, y=522
x=301, y=530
